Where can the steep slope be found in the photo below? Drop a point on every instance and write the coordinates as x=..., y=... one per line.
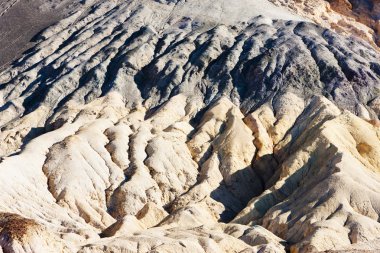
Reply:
x=189, y=126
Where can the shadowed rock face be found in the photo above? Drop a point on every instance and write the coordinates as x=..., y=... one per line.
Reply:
x=186, y=126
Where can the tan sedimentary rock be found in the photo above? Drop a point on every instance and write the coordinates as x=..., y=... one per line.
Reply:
x=350, y=17
x=323, y=166
x=151, y=215
x=320, y=182
x=128, y=225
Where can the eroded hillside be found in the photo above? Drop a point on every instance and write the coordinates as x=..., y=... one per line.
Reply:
x=190, y=126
